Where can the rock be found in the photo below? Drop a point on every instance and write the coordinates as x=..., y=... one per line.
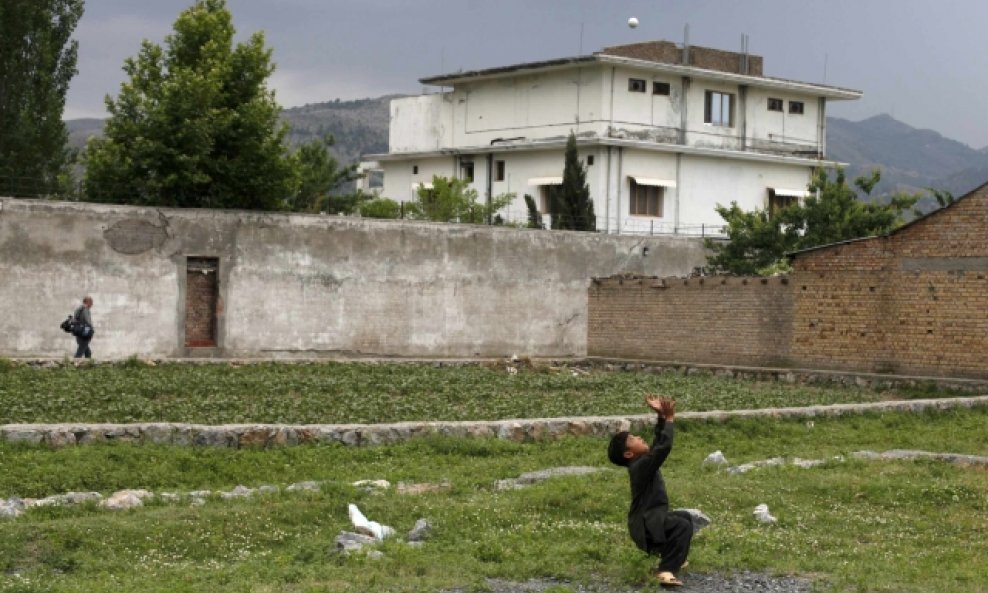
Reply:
x=67, y=498
x=698, y=517
x=745, y=467
x=715, y=458
x=299, y=486
x=347, y=541
x=372, y=486
x=529, y=478
x=762, y=515
x=375, y=554
x=404, y=488
x=421, y=531
x=807, y=463
x=11, y=508
x=268, y=489
x=238, y=492
x=126, y=499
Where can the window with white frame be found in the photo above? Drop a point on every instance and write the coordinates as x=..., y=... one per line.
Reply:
x=646, y=200
x=775, y=104
x=718, y=109
x=796, y=107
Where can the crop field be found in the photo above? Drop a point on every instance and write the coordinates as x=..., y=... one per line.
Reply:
x=335, y=393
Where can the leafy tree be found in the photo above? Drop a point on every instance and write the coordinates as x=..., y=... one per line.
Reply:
x=195, y=126
x=453, y=200
x=534, y=216
x=381, y=208
x=570, y=205
x=319, y=175
x=37, y=61
x=832, y=213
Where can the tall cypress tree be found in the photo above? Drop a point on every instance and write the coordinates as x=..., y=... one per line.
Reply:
x=570, y=204
x=37, y=61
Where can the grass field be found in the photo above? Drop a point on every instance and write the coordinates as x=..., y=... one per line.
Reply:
x=862, y=526
x=853, y=525
x=370, y=393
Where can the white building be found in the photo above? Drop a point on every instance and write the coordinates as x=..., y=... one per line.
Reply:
x=666, y=132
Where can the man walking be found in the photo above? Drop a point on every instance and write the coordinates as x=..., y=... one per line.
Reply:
x=84, y=328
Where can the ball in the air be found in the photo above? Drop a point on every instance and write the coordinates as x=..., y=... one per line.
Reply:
x=633, y=22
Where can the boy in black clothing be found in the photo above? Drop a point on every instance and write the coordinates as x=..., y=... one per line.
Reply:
x=653, y=527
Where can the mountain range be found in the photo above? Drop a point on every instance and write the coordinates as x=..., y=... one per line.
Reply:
x=910, y=159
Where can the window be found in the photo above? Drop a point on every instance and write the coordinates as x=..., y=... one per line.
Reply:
x=498, y=170
x=782, y=198
x=660, y=88
x=646, y=200
x=415, y=169
x=775, y=104
x=796, y=107
x=589, y=160
x=636, y=85
x=718, y=109
x=466, y=171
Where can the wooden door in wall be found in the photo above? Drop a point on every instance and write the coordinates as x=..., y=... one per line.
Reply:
x=201, y=298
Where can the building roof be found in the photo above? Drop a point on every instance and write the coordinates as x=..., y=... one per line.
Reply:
x=898, y=229
x=660, y=56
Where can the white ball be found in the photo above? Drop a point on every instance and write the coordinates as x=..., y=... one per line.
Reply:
x=632, y=22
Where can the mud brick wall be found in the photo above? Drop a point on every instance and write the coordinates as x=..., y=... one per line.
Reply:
x=912, y=302
x=716, y=320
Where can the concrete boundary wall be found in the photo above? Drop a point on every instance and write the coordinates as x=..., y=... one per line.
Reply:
x=303, y=285
x=527, y=430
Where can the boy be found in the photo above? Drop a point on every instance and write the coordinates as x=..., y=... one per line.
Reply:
x=653, y=527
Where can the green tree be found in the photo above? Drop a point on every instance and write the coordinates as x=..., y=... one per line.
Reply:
x=195, y=125
x=453, y=200
x=319, y=175
x=534, y=216
x=758, y=242
x=570, y=204
x=37, y=61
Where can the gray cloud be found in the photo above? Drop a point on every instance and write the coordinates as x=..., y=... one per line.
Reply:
x=916, y=59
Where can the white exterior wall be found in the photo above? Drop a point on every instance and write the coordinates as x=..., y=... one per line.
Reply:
x=400, y=180
x=633, y=111
x=528, y=106
x=420, y=123
x=705, y=182
x=705, y=135
x=782, y=127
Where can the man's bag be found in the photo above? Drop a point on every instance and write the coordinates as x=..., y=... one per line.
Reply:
x=67, y=325
x=81, y=330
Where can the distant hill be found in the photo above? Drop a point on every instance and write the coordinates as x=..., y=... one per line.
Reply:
x=910, y=159
x=359, y=127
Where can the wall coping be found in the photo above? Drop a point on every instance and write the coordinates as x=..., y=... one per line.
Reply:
x=519, y=430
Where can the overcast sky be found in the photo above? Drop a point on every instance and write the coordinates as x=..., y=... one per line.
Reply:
x=922, y=61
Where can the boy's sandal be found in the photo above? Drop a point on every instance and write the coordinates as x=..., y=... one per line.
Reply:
x=667, y=579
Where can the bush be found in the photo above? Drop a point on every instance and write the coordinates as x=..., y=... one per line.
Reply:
x=381, y=208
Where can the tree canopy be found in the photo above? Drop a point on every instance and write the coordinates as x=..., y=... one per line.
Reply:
x=570, y=204
x=758, y=240
x=37, y=62
x=453, y=200
x=195, y=125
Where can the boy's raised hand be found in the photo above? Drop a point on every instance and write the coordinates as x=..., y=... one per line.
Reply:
x=668, y=408
x=656, y=403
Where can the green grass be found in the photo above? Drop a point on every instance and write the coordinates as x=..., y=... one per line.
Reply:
x=861, y=526
x=370, y=393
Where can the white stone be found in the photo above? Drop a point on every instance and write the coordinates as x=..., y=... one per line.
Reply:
x=762, y=515
x=368, y=527
x=126, y=499
x=716, y=458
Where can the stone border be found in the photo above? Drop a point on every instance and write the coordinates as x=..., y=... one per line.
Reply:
x=281, y=435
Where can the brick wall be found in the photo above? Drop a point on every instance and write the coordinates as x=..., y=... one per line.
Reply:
x=667, y=52
x=913, y=302
x=719, y=320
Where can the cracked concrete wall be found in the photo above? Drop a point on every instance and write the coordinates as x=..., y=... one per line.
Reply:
x=306, y=285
